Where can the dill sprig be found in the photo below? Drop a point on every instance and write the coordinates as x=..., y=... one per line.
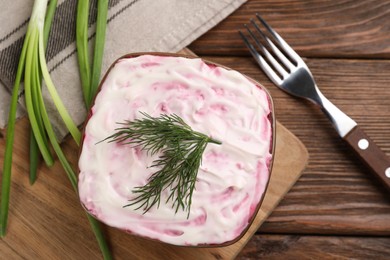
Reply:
x=181, y=150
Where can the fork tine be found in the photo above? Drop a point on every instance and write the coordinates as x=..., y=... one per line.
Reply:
x=274, y=48
x=261, y=61
x=265, y=52
x=284, y=45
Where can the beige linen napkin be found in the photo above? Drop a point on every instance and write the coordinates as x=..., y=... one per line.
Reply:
x=133, y=26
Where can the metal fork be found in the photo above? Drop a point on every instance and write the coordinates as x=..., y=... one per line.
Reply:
x=289, y=72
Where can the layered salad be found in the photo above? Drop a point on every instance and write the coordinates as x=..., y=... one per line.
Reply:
x=233, y=175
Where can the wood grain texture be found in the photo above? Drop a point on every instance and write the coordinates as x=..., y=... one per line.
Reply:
x=322, y=28
x=315, y=247
x=47, y=221
x=370, y=154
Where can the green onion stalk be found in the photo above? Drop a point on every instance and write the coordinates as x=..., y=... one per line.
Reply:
x=33, y=67
x=90, y=75
x=34, y=149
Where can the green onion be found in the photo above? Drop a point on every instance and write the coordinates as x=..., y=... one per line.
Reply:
x=34, y=158
x=74, y=131
x=101, y=23
x=90, y=82
x=82, y=47
x=48, y=20
x=30, y=86
x=34, y=149
x=7, y=166
x=33, y=63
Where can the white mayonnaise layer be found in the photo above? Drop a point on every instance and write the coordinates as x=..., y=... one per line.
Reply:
x=212, y=100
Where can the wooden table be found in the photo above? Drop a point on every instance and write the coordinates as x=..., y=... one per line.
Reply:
x=336, y=209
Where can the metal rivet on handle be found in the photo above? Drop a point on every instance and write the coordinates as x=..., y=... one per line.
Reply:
x=363, y=144
x=387, y=172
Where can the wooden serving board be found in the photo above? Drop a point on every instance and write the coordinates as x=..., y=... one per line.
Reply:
x=46, y=220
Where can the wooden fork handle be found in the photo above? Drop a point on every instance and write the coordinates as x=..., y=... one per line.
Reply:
x=371, y=154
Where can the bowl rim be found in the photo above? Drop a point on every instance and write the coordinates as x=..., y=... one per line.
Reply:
x=271, y=118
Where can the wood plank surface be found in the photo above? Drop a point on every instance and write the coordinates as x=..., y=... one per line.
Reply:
x=315, y=247
x=321, y=28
